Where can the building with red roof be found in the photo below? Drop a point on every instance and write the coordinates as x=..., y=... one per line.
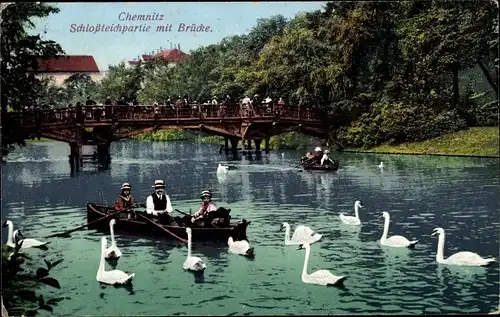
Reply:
x=62, y=67
x=172, y=56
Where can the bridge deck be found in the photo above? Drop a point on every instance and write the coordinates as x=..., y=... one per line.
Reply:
x=192, y=114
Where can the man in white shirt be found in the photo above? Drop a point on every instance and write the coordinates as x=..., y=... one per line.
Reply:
x=325, y=157
x=158, y=203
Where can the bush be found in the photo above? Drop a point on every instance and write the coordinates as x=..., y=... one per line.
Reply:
x=290, y=140
x=164, y=135
x=397, y=122
x=18, y=286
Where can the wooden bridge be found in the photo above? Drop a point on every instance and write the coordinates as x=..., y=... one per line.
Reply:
x=100, y=125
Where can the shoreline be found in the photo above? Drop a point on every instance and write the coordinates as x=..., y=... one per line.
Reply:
x=420, y=154
x=476, y=142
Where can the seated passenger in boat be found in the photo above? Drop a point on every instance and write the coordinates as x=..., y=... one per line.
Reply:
x=207, y=206
x=158, y=203
x=318, y=155
x=325, y=158
x=125, y=201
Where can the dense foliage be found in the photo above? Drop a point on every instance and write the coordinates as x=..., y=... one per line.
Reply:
x=387, y=71
x=391, y=72
x=19, y=285
x=19, y=52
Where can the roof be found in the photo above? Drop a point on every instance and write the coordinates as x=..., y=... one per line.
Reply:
x=68, y=63
x=172, y=55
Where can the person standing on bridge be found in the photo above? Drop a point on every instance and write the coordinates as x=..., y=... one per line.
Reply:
x=158, y=203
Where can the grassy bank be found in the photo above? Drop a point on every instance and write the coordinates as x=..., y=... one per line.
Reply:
x=480, y=141
x=37, y=141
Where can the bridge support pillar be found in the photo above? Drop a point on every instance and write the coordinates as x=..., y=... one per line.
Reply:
x=226, y=145
x=266, y=145
x=74, y=157
x=103, y=154
x=249, y=144
x=234, y=145
x=257, y=142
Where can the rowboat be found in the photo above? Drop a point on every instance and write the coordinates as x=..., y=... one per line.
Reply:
x=143, y=227
x=331, y=166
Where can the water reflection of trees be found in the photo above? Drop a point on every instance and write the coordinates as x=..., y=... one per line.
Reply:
x=188, y=169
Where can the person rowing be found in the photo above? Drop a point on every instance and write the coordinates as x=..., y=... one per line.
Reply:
x=158, y=203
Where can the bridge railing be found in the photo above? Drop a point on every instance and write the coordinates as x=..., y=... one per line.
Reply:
x=97, y=113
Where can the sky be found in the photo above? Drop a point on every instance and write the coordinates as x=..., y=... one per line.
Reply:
x=110, y=48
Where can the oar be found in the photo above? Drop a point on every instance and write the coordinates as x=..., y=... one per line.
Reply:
x=301, y=164
x=184, y=213
x=66, y=233
x=160, y=227
x=307, y=162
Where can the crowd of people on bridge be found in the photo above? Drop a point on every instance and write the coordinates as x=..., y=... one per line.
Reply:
x=159, y=206
x=220, y=107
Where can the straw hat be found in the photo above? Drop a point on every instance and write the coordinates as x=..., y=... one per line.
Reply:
x=126, y=186
x=317, y=149
x=206, y=193
x=159, y=184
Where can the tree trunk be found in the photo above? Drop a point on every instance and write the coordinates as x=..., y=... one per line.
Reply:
x=488, y=77
x=456, y=89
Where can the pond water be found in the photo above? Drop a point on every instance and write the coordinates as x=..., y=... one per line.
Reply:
x=461, y=195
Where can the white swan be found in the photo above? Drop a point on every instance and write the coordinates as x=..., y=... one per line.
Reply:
x=111, y=277
x=240, y=247
x=222, y=168
x=113, y=252
x=193, y=263
x=381, y=165
x=321, y=277
x=460, y=258
x=302, y=234
x=27, y=243
x=394, y=241
x=350, y=220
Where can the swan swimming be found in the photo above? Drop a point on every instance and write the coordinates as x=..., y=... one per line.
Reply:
x=321, y=277
x=193, y=263
x=27, y=243
x=301, y=235
x=240, y=247
x=113, y=252
x=381, y=165
x=222, y=168
x=350, y=220
x=460, y=258
x=111, y=277
x=394, y=241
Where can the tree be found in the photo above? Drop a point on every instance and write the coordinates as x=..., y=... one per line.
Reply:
x=122, y=81
x=79, y=87
x=19, y=54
